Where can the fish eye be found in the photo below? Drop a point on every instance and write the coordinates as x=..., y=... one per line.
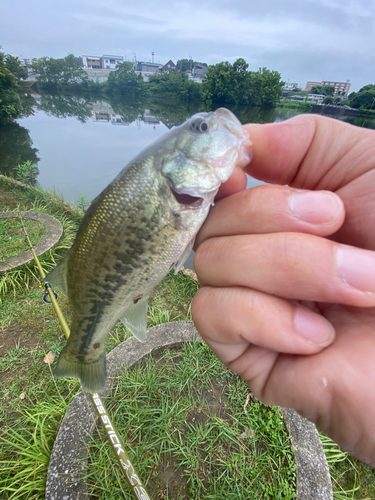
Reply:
x=200, y=125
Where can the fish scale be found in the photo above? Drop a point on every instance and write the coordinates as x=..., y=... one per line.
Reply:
x=141, y=226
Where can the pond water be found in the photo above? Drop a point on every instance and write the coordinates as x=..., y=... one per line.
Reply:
x=83, y=144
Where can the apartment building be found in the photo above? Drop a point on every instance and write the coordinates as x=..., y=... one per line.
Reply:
x=340, y=87
x=101, y=62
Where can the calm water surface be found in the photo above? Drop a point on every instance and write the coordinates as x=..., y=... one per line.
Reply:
x=83, y=145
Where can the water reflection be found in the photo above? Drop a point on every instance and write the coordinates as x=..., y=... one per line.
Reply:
x=15, y=148
x=64, y=105
x=80, y=154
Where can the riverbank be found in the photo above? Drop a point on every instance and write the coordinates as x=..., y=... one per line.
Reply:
x=34, y=403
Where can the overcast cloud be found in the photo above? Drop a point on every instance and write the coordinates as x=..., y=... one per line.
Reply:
x=303, y=40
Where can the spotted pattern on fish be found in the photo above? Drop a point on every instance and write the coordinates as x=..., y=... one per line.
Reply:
x=137, y=229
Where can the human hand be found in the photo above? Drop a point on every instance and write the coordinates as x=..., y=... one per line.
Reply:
x=288, y=276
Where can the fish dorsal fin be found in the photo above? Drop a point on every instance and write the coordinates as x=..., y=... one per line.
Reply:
x=57, y=277
x=136, y=319
x=184, y=256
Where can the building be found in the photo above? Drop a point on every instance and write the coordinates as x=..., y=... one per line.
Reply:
x=147, y=67
x=199, y=70
x=101, y=62
x=310, y=85
x=110, y=62
x=297, y=97
x=290, y=86
x=169, y=66
x=341, y=88
x=316, y=98
x=25, y=61
x=92, y=62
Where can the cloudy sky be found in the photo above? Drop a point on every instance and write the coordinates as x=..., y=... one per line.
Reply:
x=303, y=40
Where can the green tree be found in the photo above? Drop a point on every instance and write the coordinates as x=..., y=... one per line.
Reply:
x=125, y=81
x=370, y=86
x=187, y=64
x=173, y=84
x=272, y=87
x=228, y=83
x=219, y=84
x=56, y=73
x=364, y=99
x=11, y=104
x=328, y=90
x=15, y=148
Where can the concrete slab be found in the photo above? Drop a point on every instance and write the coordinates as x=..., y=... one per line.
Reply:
x=68, y=463
x=53, y=234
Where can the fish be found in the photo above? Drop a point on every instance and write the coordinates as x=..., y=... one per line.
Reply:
x=142, y=225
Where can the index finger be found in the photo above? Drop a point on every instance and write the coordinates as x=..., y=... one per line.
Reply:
x=310, y=152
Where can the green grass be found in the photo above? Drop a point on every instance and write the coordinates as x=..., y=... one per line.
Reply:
x=163, y=433
x=183, y=414
x=12, y=236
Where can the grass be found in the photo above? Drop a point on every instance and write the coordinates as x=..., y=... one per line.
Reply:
x=183, y=413
x=13, y=238
x=173, y=424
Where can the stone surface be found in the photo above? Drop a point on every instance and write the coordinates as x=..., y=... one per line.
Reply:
x=313, y=478
x=54, y=232
x=70, y=452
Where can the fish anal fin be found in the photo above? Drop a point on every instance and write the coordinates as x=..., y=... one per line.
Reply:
x=93, y=373
x=57, y=277
x=135, y=319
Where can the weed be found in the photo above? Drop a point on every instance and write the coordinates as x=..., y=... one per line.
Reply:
x=81, y=202
x=183, y=414
x=26, y=173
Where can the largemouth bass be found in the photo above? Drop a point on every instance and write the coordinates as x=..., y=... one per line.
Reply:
x=141, y=226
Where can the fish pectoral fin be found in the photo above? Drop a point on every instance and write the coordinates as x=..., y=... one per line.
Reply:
x=136, y=319
x=184, y=256
x=92, y=374
x=57, y=277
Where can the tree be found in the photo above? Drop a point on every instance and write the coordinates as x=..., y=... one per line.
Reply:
x=235, y=84
x=125, y=81
x=15, y=148
x=187, y=64
x=219, y=84
x=11, y=104
x=272, y=87
x=57, y=73
x=365, y=98
x=370, y=86
x=327, y=90
x=173, y=84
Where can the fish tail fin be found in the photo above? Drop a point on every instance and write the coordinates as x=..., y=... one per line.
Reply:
x=93, y=374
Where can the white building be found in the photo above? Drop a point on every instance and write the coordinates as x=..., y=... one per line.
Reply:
x=101, y=62
x=110, y=62
x=316, y=98
x=25, y=61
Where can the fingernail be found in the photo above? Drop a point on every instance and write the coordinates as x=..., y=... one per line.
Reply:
x=313, y=327
x=314, y=207
x=356, y=267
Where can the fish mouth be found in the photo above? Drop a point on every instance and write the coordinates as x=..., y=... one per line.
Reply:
x=187, y=199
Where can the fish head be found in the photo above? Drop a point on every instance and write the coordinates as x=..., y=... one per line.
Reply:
x=203, y=152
